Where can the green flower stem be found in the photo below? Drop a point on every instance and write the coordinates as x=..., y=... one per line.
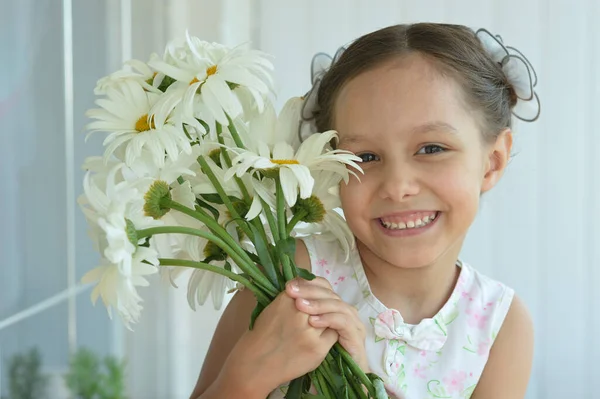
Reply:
x=224, y=235
x=288, y=271
x=325, y=390
x=256, y=221
x=295, y=220
x=262, y=298
x=227, y=158
x=270, y=219
x=212, y=224
x=356, y=370
x=275, y=233
x=234, y=134
x=357, y=391
x=246, y=266
x=217, y=185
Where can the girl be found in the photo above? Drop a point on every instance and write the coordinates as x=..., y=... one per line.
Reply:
x=428, y=109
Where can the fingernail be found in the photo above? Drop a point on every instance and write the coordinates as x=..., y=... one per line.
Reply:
x=294, y=285
x=306, y=302
x=315, y=318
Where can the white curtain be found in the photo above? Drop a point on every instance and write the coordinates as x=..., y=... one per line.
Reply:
x=538, y=231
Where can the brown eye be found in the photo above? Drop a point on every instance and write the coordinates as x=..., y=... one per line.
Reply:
x=431, y=149
x=367, y=157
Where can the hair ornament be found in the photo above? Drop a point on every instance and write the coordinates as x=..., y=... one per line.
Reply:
x=519, y=73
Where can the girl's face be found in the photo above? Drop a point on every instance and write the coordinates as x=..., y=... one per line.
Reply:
x=424, y=159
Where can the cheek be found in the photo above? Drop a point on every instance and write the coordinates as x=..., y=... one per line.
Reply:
x=459, y=186
x=354, y=199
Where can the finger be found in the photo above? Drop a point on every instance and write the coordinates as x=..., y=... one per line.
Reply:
x=309, y=291
x=345, y=325
x=330, y=337
x=352, y=335
x=318, y=281
x=316, y=306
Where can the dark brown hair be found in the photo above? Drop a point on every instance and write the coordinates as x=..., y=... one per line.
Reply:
x=455, y=52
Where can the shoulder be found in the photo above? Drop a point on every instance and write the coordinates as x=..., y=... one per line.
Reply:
x=506, y=374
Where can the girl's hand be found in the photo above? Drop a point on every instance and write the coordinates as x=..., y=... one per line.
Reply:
x=281, y=347
x=327, y=310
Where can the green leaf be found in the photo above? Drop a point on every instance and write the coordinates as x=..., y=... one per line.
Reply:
x=295, y=389
x=166, y=82
x=254, y=257
x=206, y=126
x=255, y=313
x=227, y=266
x=305, y=274
x=264, y=256
x=380, y=392
x=287, y=246
x=216, y=198
x=205, y=205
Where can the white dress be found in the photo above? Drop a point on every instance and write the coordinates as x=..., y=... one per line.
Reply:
x=441, y=357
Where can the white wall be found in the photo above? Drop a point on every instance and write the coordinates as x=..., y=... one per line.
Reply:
x=538, y=231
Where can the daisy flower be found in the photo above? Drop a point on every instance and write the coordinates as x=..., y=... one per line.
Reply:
x=294, y=167
x=209, y=73
x=118, y=291
x=115, y=212
x=323, y=207
x=138, y=120
x=141, y=73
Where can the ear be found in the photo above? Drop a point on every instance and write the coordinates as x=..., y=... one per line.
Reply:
x=497, y=157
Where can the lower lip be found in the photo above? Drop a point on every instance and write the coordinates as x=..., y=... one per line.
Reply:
x=408, y=232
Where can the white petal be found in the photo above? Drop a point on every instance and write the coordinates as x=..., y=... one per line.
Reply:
x=255, y=208
x=289, y=184
x=304, y=178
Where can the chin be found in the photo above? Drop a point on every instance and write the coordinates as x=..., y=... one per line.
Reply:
x=412, y=261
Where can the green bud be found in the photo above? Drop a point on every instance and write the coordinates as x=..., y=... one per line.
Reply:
x=213, y=252
x=157, y=191
x=215, y=155
x=312, y=207
x=131, y=232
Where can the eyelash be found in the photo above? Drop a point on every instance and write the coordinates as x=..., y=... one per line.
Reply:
x=441, y=149
x=367, y=153
x=373, y=157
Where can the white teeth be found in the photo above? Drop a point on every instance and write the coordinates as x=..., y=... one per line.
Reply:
x=410, y=224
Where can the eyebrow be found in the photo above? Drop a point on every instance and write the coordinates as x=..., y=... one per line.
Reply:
x=436, y=126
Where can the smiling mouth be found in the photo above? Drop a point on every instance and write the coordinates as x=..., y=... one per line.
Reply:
x=414, y=223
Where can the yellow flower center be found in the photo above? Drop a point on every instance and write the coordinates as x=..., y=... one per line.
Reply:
x=211, y=70
x=285, y=161
x=142, y=124
x=195, y=80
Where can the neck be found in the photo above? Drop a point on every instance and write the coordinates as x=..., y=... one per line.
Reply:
x=417, y=293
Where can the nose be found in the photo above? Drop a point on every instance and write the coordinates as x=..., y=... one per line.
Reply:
x=398, y=182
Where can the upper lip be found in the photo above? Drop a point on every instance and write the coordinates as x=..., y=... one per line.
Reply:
x=406, y=214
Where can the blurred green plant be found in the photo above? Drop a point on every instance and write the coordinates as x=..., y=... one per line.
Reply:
x=25, y=378
x=91, y=377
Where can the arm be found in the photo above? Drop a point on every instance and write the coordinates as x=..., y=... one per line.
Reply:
x=507, y=371
x=216, y=380
x=233, y=324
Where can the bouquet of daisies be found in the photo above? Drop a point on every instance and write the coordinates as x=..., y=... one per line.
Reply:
x=199, y=174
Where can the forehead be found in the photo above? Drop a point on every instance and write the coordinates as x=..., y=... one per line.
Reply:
x=401, y=96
